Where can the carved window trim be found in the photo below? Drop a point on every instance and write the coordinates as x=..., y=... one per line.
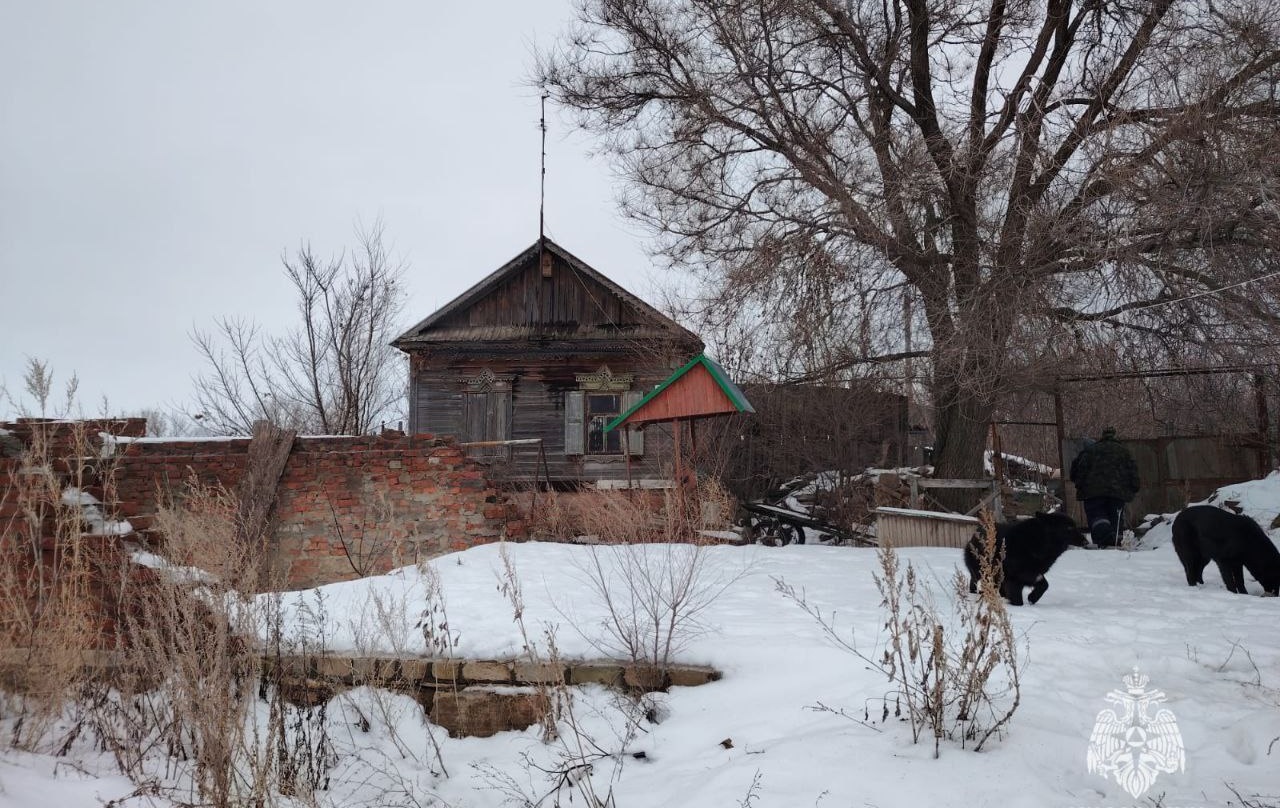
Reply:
x=605, y=381
x=486, y=381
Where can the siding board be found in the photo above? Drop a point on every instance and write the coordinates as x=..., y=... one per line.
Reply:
x=537, y=409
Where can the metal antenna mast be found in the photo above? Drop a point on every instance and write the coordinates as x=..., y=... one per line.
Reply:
x=542, y=189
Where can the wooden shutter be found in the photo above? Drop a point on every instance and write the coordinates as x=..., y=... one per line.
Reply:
x=574, y=408
x=474, y=416
x=635, y=438
x=486, y=417
x=500, y=413
x=500, y=421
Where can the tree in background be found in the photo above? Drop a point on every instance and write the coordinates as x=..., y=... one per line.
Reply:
x=334, y=373
x=1005, y=175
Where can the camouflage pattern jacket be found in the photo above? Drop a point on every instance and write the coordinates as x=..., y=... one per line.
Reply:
x=1105, y=469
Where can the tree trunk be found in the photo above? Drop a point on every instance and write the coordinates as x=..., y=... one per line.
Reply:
x=962, y=417
x=960, y=425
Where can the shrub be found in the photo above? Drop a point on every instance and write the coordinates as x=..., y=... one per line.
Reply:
x=954, y=677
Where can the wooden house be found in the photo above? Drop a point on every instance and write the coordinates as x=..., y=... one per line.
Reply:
x=545, y=351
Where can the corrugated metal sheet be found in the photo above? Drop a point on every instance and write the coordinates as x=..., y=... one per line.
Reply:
x=907, y=528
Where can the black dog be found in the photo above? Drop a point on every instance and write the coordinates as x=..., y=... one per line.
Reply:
x=1030, y=547
x=1204, y=533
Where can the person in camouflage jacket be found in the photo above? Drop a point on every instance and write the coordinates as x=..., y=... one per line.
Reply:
x=1106, y=478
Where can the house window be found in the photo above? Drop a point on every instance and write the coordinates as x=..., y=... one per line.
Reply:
x=601, y=409
x=600, y=398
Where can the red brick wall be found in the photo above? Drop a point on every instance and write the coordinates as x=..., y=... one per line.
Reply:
x=62, y=438
x=30, y=554
x=388, y=499
x=145, y=473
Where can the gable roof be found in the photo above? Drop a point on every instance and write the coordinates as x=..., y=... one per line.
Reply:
x=450, y=323
x=681, y=397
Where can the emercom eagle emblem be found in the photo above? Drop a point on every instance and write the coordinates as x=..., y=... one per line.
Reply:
x=1134, y=747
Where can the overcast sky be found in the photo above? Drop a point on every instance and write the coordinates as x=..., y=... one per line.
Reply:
x=157, y=158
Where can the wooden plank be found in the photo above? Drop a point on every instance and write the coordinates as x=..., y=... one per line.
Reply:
x=945, y=517
x=926, y=482
x=499, y=416
x=269, y=450
x=634, y=434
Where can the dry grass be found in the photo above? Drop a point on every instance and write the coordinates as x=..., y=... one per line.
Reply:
x=958, y=678
x=953, y=677
x=582, y=765
x=551, y=515
x=183, y=701
x=192, y=653
x=654, y=597
x=632, y=516
x=52, y=578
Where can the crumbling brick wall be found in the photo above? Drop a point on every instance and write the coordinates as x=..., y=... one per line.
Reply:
x=345, y=506
x=359, y=506
x=146, y=473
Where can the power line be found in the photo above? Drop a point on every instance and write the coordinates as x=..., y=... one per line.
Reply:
x=1193, y=296
x=1158, y=373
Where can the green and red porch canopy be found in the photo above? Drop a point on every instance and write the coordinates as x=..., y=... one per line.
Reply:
x=698, y=390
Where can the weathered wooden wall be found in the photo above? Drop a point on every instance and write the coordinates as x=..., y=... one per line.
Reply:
x=529, y=298
x=538, y=391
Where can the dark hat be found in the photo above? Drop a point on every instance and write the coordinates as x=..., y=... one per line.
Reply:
x=1109, y=433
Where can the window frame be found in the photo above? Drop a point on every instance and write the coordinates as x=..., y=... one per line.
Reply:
x=578, y=419
x=590, y=418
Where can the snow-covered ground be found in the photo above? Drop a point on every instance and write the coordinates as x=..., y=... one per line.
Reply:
x=1216, y=656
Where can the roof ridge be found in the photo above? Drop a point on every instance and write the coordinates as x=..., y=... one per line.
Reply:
x=478, y=290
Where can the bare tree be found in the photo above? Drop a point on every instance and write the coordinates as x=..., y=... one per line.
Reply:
x=1003, y=174
x=169, y=422
x=335, y=373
